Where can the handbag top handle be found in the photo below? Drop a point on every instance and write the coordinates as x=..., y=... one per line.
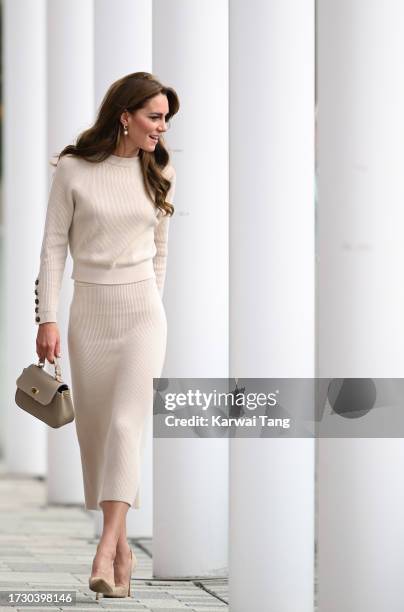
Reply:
x=56, y=363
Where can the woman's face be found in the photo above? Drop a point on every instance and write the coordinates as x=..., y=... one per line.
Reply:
x=147, y=124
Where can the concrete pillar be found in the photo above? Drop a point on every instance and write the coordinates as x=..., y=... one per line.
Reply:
x=272, y=295
x=361, y=296
x=24, y=195
x=191, y=476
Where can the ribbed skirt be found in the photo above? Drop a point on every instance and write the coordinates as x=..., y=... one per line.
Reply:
x=117, y=342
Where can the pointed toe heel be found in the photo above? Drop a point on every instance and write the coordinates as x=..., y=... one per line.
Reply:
x=100, y=586
x=124, y=590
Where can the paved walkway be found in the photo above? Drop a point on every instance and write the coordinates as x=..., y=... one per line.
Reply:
x=46, y=548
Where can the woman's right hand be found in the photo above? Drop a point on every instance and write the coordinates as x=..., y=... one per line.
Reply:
x=48, y=341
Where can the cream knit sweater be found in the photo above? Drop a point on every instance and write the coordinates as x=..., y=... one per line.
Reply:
x=113, y=229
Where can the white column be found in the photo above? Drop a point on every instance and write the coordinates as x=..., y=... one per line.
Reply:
x=123, y=41
x=361, y=294
x=123, y=44
x=25, y=188
x=191, y=476
x=70, y=106
x=272, y=294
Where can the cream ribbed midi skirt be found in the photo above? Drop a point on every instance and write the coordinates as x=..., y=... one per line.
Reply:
x=117, y=343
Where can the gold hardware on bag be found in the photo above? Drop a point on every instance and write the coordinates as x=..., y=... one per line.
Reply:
x=34, y=390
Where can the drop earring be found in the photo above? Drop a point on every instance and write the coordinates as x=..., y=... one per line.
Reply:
x=125, y=130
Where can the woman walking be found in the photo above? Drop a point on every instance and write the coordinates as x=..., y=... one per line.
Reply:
x=110, y=202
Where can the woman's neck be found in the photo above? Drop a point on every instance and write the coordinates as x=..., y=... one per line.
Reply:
x=125, y=152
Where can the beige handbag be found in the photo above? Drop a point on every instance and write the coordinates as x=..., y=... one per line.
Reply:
x=44, y=396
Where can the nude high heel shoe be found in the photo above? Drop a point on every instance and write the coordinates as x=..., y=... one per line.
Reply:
x=99, y=585
x=124, y=590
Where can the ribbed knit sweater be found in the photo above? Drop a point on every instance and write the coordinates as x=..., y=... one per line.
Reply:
x=113, y=229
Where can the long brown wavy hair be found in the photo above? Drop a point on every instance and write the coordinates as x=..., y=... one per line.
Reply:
x=95, y=144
